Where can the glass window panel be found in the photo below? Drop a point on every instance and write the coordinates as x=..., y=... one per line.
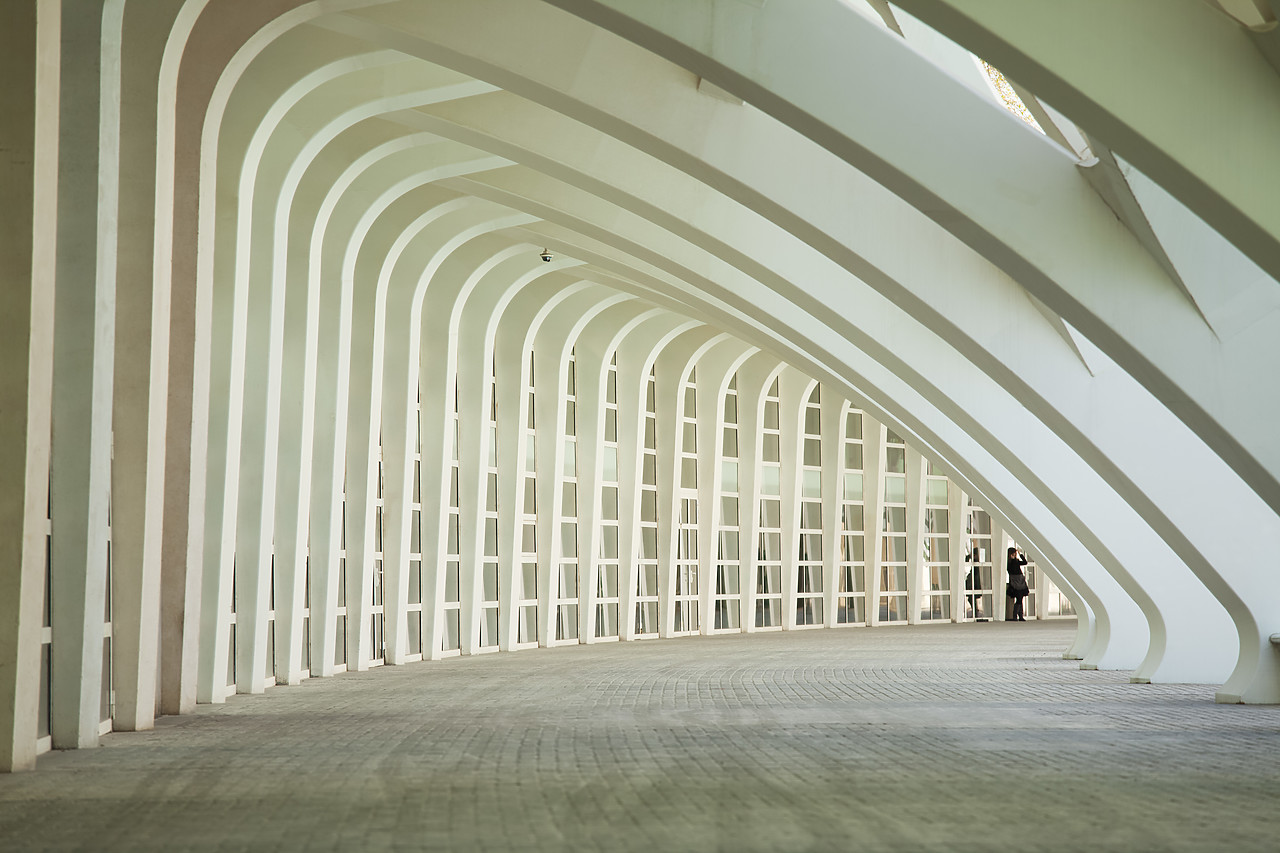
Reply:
x=937, y=550
x=648, y=505
x=493, y=446
x=689, y=438
x=569, y=499
x=895, y=459
x=727, y=580
x=648, y=543
x=850, y=611
x=610, y=472
x=768, y=580
x=490, y=581
x=568, y=580
x=415, y=581
x=528, y=580
x=813, y=420
x=570, y=417
x=690, y=402
x=609, y=503
x=729, y=511
x=452, y=569
x=489, y=632
x=853, y=487
x=608, y=580
x=853, y=456
x=610, y=424
x=895, y=519
x=453, y=487
x=770, y=480
x=770, y=450
x=811, y=484
x=688, y=511
x=893, y=548
x=569, y=539
x=940, y=577
x=729, y=445
x=491, y=493
x=936, y=492
x=771, y=546
x=768, y=613
x=649, y=472
x=530, y=495
x=530, y=455
x=611, y=386
x=812, y=451
x=731, y=408
x=609, y=542
x=770, y=513
x=647, y=617
x=452, y=541
x=981, y=523
x=811, y=546
x=650, y=439
x=851, y=549
x=771, y=414
x=415, y=532
x=895, y=489
x=728, y=545
x=936, y=520
x=689, y=473
x=729, y=476
x=567, y=622
x=648, y=581
x=570, y=458
x=811, y=515
x=529, y=538
x=852, y=517
x=491, y=537
x=853, y=425
x=452, y=630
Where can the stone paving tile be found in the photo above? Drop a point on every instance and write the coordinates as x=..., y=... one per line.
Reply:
x=954, y=737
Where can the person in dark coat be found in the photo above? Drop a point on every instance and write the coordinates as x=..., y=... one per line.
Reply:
x=1017, y=587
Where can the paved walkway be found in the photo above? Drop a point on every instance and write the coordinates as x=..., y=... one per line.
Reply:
x=955, y=738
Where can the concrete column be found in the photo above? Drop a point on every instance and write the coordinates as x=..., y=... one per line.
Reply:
x=754, y=379
x=715, y=368
x=84, y=352
x=29, y=102
x=141, y=378
x=175, y=347
x=793, y=392
x=591, y=369
x=672, y=367
x=636, y=352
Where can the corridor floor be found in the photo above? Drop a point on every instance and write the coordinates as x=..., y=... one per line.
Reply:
x=954, y=737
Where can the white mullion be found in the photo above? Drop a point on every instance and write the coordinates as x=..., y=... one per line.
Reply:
x=727, y=601
x=852, y=607
x=768, y=580
x=809, y=572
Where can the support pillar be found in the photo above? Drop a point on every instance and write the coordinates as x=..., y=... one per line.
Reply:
x=28, y=183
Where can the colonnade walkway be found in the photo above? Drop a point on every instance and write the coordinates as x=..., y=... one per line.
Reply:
x=953, y=737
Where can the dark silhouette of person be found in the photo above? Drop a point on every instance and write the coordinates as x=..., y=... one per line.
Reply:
x=1017, y=586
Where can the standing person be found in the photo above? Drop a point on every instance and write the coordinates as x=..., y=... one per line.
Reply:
x=1017, y=586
